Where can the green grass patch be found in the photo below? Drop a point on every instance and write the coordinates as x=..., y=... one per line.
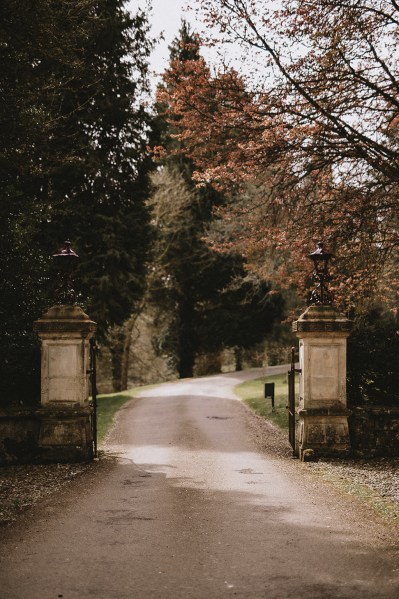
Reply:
x=252, y=393
x=107, y=407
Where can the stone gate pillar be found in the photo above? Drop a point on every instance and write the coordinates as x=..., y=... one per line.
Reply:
x=65, y=414
x=323, y=413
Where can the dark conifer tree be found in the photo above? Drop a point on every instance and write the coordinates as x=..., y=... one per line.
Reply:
x=73, y=128
x=213, y=302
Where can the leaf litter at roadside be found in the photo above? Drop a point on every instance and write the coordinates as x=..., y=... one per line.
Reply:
x=25, y=485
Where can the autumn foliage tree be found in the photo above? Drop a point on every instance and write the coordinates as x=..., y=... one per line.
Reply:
x=211, y=301
x=311, y=123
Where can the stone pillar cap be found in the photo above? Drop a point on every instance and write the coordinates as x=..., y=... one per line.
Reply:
x=64, y=318
x=322, y=319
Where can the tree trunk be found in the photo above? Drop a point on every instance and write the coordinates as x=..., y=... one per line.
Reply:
x=115, y=343
x=238, y=358
x=186, y=336
x=128, y=330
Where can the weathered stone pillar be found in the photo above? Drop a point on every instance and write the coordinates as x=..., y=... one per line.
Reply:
x=65, y=414
x=323, y=413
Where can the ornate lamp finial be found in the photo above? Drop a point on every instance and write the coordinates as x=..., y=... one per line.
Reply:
x=65, y=259
x=321, y=296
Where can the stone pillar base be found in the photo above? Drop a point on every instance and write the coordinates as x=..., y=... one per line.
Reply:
x=324, y=431
x=65, y=435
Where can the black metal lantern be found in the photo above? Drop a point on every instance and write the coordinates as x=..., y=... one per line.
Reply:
x=65, y=260
x=321, y=295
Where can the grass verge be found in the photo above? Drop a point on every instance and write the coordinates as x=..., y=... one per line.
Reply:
x=107, y=407
x=252, y=393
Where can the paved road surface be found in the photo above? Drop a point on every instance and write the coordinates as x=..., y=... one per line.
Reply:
x=193, y=509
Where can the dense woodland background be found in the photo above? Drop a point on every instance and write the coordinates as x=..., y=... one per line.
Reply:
x=193, y=213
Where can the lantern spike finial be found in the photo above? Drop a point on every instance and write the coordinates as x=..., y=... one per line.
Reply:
x=321, y=296
x=65, y=259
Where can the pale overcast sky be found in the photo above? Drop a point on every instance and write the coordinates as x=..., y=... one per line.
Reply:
x=166, y=18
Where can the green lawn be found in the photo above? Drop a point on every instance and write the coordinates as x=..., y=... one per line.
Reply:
x=252, y=393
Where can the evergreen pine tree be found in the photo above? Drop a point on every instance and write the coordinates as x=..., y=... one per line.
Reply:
x=213, y=303
x=73, y=128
